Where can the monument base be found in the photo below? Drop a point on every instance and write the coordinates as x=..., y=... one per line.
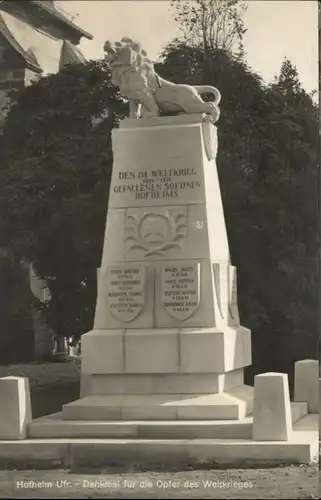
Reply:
x=55, y=426
x=213, y=350
x=233, y=405
x=164, y=374
x=148, y=442
x=151, y=444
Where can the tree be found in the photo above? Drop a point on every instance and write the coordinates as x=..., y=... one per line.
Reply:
x=287, y=182
x=56, y=164
x=214, y=24
x=267, y=163
x=16, y=301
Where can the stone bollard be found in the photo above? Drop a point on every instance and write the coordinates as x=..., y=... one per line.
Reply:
x=272, y=419
x=15, y=406
x=306, y=383
x=319, y=408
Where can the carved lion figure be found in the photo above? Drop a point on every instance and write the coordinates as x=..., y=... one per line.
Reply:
x=148, y=94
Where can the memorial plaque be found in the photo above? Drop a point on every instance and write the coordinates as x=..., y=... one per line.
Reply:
x=181, y=289
x=126, y=290
x=155, y=187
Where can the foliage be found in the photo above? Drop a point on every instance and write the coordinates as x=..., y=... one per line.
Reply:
x=267, y=161
x=213, y=24
x=55, y=173
x=16, y=302
x=286, y=180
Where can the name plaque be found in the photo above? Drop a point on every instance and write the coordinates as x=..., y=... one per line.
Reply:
x=181, y=289
x=126, y=290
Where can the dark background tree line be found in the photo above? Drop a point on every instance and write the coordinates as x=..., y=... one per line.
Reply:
x=55, y=171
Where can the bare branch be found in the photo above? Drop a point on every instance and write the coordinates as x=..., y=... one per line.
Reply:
x=216, y=24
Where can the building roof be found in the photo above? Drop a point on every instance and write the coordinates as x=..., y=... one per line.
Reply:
x=47, y=11
x=49, y=6
x=28, y=55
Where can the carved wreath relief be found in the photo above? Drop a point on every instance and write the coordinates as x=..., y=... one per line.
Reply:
x=157, y=232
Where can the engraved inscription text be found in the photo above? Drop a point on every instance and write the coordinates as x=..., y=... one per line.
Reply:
x=126, y=291
x=181, y=290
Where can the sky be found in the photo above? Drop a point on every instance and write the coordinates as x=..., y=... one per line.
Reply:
x=276, y=29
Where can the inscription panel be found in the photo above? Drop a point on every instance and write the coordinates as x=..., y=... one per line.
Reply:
x=126, y=291
x=181, y=290
x=134, y=188
x=157, y=166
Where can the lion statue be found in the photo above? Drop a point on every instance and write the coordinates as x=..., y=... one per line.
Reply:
x=148, y=94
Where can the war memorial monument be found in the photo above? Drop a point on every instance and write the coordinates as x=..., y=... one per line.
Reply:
x=162, y=374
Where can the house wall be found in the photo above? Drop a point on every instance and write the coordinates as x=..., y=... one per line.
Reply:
x=46, y=49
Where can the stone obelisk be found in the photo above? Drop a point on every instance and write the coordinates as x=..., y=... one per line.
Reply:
x=167, y=343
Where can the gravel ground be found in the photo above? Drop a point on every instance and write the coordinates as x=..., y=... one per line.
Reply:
x=284, y=482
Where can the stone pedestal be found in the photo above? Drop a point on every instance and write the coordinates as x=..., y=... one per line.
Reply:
x=166, y=342
x=320, y=408
x=15, y=406
x=306, y=383
x=272, y=419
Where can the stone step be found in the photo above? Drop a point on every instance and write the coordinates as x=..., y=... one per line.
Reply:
x=235, y=404
x=302, y=447
x=53, y=426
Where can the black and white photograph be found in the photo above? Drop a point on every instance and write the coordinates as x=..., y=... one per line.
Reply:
x=160, y=247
